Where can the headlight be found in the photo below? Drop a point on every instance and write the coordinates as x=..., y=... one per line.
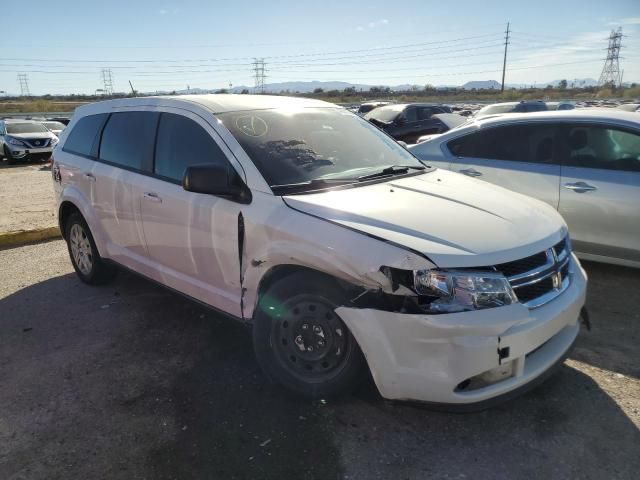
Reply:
x=461, y=290
x=15, y=141
x=54, y=140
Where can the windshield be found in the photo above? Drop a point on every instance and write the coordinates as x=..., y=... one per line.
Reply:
x=385, y=114
x=53, y=125
x=25, y=128
x=302, y=145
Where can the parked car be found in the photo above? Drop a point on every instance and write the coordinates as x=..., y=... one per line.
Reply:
x=629, y=107
x=63, y=120
x=23, y=140
x=408, y=122
x=340, y=248
x=560, y=105
x=53, y=126
x=585, y=163
x=368, y=106
x=512, y=107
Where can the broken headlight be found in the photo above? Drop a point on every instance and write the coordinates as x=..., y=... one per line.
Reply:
x=460, y=291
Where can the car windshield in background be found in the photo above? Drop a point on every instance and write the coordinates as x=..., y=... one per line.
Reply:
x=53, y=125
x=495, y=109
x=385, y=114
x=25, y=128
x=313, y=144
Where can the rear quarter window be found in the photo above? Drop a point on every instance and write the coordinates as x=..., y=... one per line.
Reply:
x=83, y=138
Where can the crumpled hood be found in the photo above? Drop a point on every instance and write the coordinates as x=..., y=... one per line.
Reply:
x=454, y=220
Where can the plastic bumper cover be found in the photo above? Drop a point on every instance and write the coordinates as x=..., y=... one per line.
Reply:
x=427, y=357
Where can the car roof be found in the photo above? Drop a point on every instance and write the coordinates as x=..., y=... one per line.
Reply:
x=215, y=103
x=580, y=114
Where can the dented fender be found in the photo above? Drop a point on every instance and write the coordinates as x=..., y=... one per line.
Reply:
x=295, y=238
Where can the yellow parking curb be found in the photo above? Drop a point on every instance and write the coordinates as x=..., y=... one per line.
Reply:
x=22, y=237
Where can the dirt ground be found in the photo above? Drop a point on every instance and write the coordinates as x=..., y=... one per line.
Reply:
x=130, y=381
x=27, y=200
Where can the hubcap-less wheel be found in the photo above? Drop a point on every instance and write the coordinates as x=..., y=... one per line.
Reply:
x=81, y=249
x=310, y=339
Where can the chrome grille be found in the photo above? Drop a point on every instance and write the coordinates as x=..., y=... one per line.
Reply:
x=540, y=278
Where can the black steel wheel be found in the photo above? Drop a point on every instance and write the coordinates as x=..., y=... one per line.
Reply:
x=301, y=342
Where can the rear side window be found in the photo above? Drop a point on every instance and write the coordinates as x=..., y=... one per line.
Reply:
x=83, y=138
x=183, y=143
x=128, y=139
x=601, y=147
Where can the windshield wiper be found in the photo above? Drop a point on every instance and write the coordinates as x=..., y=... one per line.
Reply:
x=391, y=170
x=314, y=184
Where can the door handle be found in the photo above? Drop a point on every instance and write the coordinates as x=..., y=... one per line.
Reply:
x=152, y=196
x=580, y=187
x=90, y=176
x=470, y=172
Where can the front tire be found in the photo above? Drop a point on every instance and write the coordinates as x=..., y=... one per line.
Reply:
x=87, y=262
x=302, y=343
x=9, y=157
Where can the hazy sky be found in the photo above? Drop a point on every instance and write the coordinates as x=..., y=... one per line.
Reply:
x=161, y=45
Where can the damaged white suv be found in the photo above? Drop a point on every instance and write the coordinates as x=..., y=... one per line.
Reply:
x=342, y=249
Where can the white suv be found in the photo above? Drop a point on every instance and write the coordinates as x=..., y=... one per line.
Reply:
x=342, y=249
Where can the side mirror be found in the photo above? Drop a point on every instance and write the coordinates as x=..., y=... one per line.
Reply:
x=219, y=180
x=401, y=120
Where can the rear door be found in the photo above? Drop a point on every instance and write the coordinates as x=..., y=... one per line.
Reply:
x=191, y=238
x=124, y=158
x=600, y=189
x=519, y=157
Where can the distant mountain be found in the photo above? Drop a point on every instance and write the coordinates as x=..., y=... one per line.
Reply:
x=482, y=85
x=303, y=87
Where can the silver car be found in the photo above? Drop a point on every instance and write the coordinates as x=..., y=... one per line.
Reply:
x=54, y=126
x=585, y=163
x=22, y=140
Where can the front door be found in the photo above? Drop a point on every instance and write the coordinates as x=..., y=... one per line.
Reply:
x=600, y=190
x=191, y=238
x=518, y=157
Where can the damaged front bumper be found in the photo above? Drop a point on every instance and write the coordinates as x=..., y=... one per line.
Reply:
x=467, y=358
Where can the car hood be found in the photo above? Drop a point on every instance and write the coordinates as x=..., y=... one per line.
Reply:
x=32, y=135
x=453, y=220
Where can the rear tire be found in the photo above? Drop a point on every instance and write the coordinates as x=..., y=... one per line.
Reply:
x=300, y=341
x=87, y=262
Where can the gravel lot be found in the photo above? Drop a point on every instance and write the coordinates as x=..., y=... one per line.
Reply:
x=27, y=200
x=130, y=381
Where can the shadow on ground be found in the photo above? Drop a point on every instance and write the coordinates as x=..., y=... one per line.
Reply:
x=130, y=381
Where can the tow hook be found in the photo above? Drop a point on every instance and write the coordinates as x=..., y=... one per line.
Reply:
x=585, y=318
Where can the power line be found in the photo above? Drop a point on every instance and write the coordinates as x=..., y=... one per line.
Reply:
x=107, y=80
x=258, y=69
x=611, y=70
x=23, y=79
x=504, y=63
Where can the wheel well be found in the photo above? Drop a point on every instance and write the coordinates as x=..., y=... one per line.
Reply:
x=279, y=272
x=66, y=209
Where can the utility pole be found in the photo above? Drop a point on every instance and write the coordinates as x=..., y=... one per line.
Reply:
x=611, y=70
x=259, y=76
x=132, y=89
x=24, y=85
x=504, y=63
x=107, y=80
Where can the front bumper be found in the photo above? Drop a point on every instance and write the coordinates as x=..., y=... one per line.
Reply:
x=439, y=358
x=24, y=153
